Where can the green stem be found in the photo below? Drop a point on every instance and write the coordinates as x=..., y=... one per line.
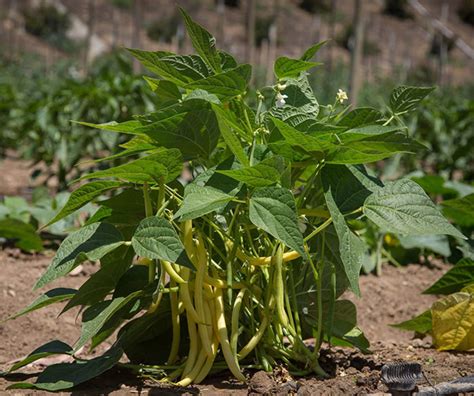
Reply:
x=319, y=297
x=323, y=226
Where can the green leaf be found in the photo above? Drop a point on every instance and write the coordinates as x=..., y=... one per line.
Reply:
x=48, y=298
x=367, y=131
x=201, y=94
x=286, y=67
x=82, y=196
x=166, y=164
x=434, y=184
x=402, y=207
x=273, y=210
x=421, y=324
x=203, y=42
x=350, y=185
x=301, y=104
x=179, y=69
x=155, y=238
x=96, y=315
x=263, y=174
x=55, y=347
x=91, y=242
x=225, y=85
x=201, y=200
x=359, y=117
x=68, y=375
x=304, y=141
x=311, y=51
x=345, y=325
x=405, y=99
x=459, y=276
x=227, y=60
x=23, y=234
x=373, y=148
x=351, y=248
x=228, y=131
x=128, y=127
x=166, y=91
x=460, y=210
x=99, y=285
x=436, y=243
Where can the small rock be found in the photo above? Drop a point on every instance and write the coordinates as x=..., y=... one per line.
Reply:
x=11, y=292
x=261, y=383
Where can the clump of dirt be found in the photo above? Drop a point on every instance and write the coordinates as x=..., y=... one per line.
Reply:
x=393, y=297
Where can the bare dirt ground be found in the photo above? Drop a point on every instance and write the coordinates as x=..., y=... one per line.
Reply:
x=393, y=297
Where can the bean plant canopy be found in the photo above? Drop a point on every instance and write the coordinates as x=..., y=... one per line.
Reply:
x=238, y=263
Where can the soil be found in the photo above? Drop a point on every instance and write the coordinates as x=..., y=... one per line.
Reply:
x=393, y=297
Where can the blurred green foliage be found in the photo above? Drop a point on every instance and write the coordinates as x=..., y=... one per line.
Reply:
x=36, y=112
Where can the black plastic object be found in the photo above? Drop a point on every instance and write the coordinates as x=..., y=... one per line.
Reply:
x=460, y=385
x=401, y=378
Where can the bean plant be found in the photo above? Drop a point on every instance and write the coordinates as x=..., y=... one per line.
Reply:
x=228, y=238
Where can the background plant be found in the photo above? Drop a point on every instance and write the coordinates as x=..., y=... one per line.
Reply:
x=236, y=265
x=36, y=114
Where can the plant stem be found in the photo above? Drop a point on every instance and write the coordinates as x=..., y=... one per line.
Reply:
x=326, y=224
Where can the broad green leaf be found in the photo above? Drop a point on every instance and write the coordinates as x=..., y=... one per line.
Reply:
x=273, y=210
x=359, y=117
x=55, y=347
x=155, y=238
x=203, y=42
x=434, y=184
x=301, y=105
x=311, y=51
x=227, y=60
x=263, y=174
x=68, y=375
x=436, y=243
x=304, y=141
x=459, y=276
x=82, y=196
x=453, y=322
x=201, y=200
x=166, y=91
x=420, y=324
x=373, y=148
x=128, y=127
x=350, y=185
x=367, y=131
x=228, y=132
x=23, y=234
x=460, y=210
x=48, y=298
x=345, y=325
x=202, y=94
x=225, y=85
x=402, y=207
x=99, y=285
x=405, y=99
x=96, y=315
x=165, y=165
x=180, y=70
x=91, y=242
x=286, y=67
x=351, y=248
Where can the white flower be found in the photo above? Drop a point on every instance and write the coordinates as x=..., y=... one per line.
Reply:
x=281, y=87
x=280, y=99
x=341, y=96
